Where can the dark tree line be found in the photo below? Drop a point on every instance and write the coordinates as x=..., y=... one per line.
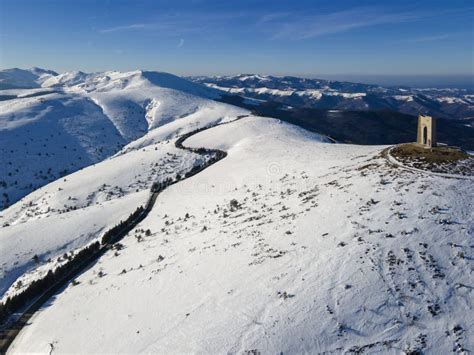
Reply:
x=120, y=230
x=160, y=186
x=38, y=287
x=73, y=264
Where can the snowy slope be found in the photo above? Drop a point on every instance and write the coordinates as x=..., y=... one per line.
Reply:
x=20, y=78
x=77, y=119
x=72, y=211
x=289, y=244
x=140, y=101
x=44, y=138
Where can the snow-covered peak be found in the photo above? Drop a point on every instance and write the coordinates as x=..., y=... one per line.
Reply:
x=42, y=72
x=256, y=77
x=101, y=81
x=115, y=80
x=66, y=79
x=174, y=82
x=16, y=78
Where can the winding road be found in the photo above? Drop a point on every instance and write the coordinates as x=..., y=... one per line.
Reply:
x=11, y=331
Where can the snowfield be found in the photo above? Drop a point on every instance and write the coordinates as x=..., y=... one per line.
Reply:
x=289, y=244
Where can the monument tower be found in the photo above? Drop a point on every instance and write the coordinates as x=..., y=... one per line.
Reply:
x=426, y=131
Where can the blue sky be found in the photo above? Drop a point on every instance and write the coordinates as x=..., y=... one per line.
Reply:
x=227, y=37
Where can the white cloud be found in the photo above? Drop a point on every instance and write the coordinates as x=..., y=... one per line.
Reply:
x=176, y=24
x=281, y=25
x=432, y=38
x=304, y=26
x=134, y=26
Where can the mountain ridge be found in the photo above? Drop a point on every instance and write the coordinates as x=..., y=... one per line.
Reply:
x=333, y=94
x=71, y=120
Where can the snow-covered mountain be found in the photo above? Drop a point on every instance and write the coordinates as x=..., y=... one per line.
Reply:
x=24, y=79
x=64, y=122
x=325, y=94
x=290, y=244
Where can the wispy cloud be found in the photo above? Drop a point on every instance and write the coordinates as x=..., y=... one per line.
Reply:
x=431, y=38
x=279, y=25
x=304, y=26
x=134, y=26
x=181, y=43
x=179, y=23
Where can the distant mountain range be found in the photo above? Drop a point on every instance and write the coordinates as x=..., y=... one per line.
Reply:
x=341, y=95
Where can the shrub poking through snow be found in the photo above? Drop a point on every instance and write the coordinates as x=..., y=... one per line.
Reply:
x=234, y=205
x=36, y=259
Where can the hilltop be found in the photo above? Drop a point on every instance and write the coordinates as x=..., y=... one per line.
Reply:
x=289, y=244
